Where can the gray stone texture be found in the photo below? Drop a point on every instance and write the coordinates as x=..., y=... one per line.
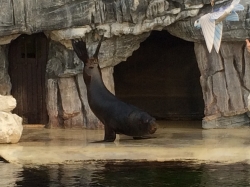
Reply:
x=117, y=17
x=237, y=121
x=64, y=105
x=232, y=30
x=52, y=104
x=71, y=111
x=224, y=80
x=5, y=84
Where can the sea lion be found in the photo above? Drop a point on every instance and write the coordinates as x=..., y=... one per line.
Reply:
x=118, y=117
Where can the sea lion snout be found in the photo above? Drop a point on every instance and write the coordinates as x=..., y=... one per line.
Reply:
x=149, y=123
x=152, y=127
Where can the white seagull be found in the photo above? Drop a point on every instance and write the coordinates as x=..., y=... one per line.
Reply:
x=211, y=24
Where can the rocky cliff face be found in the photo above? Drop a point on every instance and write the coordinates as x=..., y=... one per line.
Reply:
x=126, y=23
x=225, y=83
x=114, y=17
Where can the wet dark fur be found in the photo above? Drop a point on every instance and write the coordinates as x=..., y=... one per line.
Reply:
x=117, y=116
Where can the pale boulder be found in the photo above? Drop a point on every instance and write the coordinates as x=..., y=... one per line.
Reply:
x=7, y=103
x=10, y=124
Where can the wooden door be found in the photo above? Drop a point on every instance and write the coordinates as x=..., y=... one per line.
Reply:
x=27, y=66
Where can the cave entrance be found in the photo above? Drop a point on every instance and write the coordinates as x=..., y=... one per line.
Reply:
x=27, y=66
x=162, y=78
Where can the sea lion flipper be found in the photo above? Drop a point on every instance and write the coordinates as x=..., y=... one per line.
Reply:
x=110, y=134
x=98, y=47
x=80, y=49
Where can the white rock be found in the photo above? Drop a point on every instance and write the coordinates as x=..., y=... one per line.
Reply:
x=7, y=39
x=7, y=103
x=11, y=127
x=64, y=36
x=67, y=34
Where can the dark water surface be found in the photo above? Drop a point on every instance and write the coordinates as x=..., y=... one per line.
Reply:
x=155, y=174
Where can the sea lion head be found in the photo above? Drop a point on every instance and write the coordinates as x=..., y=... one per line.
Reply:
x=152, y=127
x=91, y=69
x=149, y=122
x=91, y=66
x=142, y=123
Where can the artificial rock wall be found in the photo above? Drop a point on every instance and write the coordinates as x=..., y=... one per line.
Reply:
x=5, y=84
x=225, y=81
x=125, y=24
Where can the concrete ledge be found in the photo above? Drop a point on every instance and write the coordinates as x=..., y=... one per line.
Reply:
x=178, y=141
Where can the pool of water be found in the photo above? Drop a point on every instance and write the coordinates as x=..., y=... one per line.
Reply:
x=112, y=174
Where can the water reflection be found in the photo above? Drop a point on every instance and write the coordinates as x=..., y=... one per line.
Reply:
x=155, y=174
x=9, y=174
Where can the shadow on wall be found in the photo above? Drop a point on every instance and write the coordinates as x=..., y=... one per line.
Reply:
x=162, y=77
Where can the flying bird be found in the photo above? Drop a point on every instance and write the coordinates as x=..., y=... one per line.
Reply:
x=211, y=23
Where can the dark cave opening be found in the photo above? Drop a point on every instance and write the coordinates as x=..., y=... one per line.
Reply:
x=162, y=78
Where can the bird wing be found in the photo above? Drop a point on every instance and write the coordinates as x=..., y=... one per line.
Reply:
x=216, y=15
x=232, y=17
x=226, y=11
x=213, y=32
x=218, y=36
x=238, y=7
x=208, y=30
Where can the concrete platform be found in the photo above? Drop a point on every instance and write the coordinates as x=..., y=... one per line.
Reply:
x=173, y=141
